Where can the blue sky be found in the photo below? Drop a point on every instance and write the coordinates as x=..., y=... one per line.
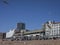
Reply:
x=32, y=12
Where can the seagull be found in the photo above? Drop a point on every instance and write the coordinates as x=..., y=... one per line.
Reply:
x=5, y=1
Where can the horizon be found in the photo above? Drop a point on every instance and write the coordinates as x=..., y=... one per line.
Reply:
x=33, y=13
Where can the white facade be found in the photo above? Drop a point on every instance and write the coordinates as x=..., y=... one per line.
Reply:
x=52, y=29
x=10, y=33
x=39, y=34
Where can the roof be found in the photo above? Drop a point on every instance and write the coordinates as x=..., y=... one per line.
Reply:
x=31, y=32
x=53, y=23
x=34, y=31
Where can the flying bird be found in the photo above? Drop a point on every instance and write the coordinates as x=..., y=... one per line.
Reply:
x=5, y=1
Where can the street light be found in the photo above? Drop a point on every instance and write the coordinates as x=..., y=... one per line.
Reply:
x=22, y=34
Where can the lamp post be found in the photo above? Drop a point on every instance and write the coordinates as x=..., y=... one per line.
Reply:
x=22, y=31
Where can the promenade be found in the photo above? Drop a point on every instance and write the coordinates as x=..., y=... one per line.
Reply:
x=32, y=42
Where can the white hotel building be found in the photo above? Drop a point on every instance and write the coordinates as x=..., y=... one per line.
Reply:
x=52, y=29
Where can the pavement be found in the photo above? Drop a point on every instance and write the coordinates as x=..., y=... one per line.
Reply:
x=32, y=42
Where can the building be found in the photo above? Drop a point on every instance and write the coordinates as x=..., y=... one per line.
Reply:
x=10, y=33
x=29, y=35
x=52, y=29
x=34, y=34
x=2, y=35
x=20, y=26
